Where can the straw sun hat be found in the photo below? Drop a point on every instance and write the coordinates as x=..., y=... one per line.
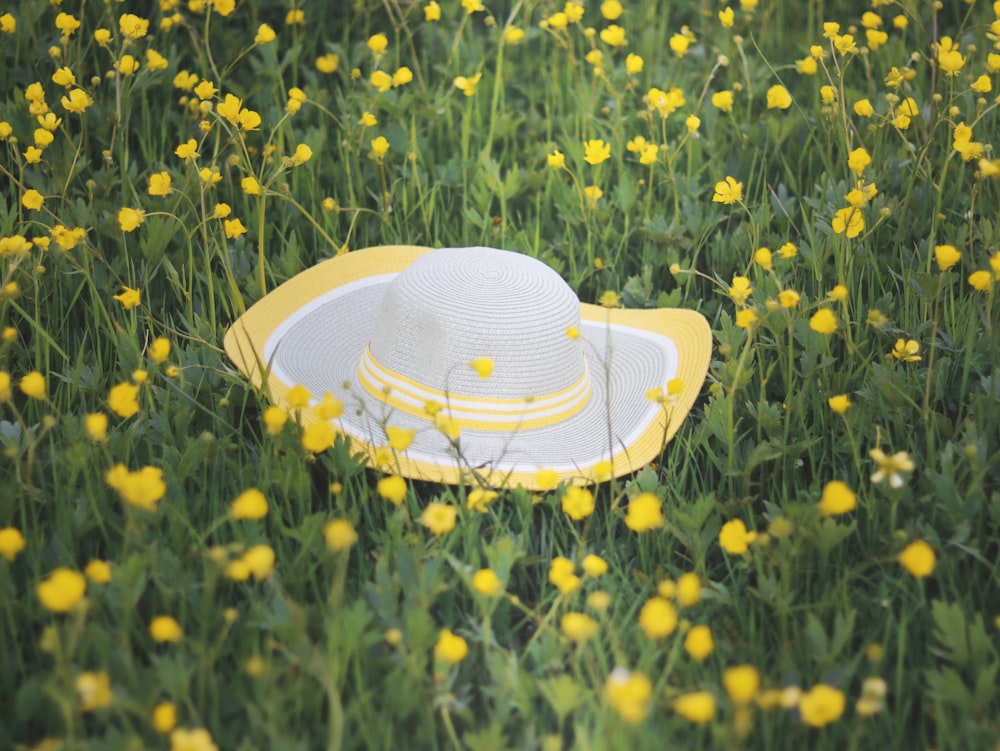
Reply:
x=405, y=337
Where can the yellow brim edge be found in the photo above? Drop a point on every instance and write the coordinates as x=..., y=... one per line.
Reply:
x=688, y=329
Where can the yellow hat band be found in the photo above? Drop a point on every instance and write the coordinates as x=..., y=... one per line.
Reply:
x=472, y=412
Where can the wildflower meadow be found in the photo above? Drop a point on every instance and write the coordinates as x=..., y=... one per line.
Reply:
x=812, y=562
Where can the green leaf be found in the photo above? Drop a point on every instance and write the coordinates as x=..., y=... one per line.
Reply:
x=563, y=693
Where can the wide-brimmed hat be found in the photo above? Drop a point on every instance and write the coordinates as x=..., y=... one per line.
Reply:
x=486, y=357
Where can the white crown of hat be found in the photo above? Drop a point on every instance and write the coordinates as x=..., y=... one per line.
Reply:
x=455, y=305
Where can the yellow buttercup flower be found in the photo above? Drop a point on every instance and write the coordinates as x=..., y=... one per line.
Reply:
x=250, y=504
x=467, y=84
x=450, y=647
x=658, y=618
x=918, y=559
x=946, y=256
x=578, y=627
x=62, y=590
x=823, y=321
x=697, y=707
x=839, y=403
x=11, y=543
x=265, y=34
x=629, y=693
x=33, y=386
x=160, y=184
x=728, y=191
x=734, y=537
x=339, y=535
x=143, y=487
x=165, y=628
x=392, y=489
x=439, y=517
x=596, y=151
x=577, y=503
x=698, y=642
x=778, y=98
x=94, y=690
x=317, y=437
x=483, y=366
x=837, y=498
x=129, y=219
x=821, y=705
x=128, y=297
x=486, y=582
x=645, y=512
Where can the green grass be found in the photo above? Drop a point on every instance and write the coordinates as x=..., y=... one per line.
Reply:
x=336, y=649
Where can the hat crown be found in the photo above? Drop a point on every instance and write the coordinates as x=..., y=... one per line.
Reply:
x=455, y=305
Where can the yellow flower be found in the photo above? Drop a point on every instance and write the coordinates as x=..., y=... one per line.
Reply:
x=645, y=512
x=837, y=498
x=740, y=290
x=806, y=66
x=123, y=399
x=821, y=705
x=234, y=228
x=127, y=65
x=556, y=160
x=265, y=34
x=789, y=298
x=378, y=43
x=611, y=10
x=906, y=350
x=728, y=191
x=863, y=108
x=981, y=280
x=432, y=11
x=128, y=297
x=487, y=583
x=949, y=59
x=132, y=27
x=698, y=642
x=688, y=590
x=198, y=739
x=734, y=537
x=840, y=403
x=155, y=61
x=317, y=437
x=778, y=98
x=561, y=574
x=596, y=151
x=164, y=717
x=629, y=694
x=187, y=150
x=11, y=542
x=260, y=560
x=546, y=479
x=727, y=17
x=129, y=219
x=697, y=707
x=578, y=627
x=658, y=618
x=593, y=194
x=649, y=154
x=274, y=419
x=392, y=489
x=5, y=390
x=479, y=499
x=723, y=101
x=339, y=535
x=858, y=159
x=467, y=85
x=164, y=628
x=328, y=63
x=679, y=44
x=380, y=146
x=577, y=503
x=849, y=221
x=295, y=17
x=143, y=488
x=67, y=24
x=742, y=683
x=98, y=571
x=160, y=184
x=823, y=321
x=250, y=504
x=594, y=566
x=599, y=601
x=946, y=256
x=32, y=385
x=891, y=467
x=633, y=64
x=483, y=366
x=918, y=559
x=450, y=647
x=94, y=690
x=96, y=425
x=8, y=24
x=62, y=590
x=614, y=36
x=763, y=257
x=473, y=6
x=32, y=200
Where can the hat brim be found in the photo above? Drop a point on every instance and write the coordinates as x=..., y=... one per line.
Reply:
x=313, y=329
